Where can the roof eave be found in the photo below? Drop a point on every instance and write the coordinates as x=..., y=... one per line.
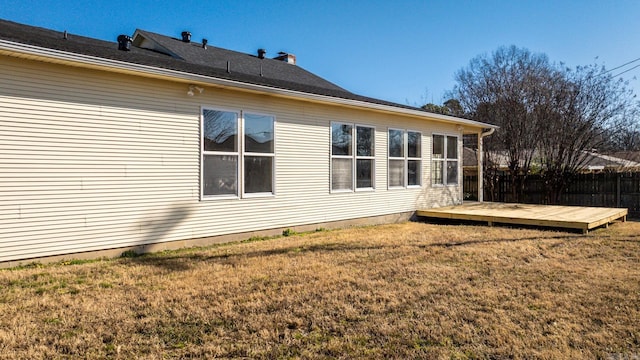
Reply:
x=57, y=56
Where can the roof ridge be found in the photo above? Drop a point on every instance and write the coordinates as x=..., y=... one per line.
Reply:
x=192, y=42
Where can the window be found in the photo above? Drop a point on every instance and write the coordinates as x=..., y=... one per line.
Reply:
x=220, y=153
x=396, y=158
x=258, y=154
x=224, y=159
x=405, y=158
x=445, y=160
x=352, y=157
x=414, y=158
x=365, y=140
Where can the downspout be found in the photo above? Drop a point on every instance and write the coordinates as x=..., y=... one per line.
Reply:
x=480, y=162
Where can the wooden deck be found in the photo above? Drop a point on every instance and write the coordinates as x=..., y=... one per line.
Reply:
x=571, y=217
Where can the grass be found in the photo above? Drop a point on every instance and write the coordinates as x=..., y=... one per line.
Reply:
x=410, y=290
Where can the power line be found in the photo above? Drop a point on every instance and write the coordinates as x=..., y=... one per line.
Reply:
x=637, y=66
x=623, y=65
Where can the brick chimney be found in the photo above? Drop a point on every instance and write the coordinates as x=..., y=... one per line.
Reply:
x=286, y=57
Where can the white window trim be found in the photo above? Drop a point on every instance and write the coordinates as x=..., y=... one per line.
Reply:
x=353, y=157
x=413, y=159
x=445, y=159
x=331, y=157
x=356, y=158
x=273, y=155
x=240, y=154
x=405, y=159
x=204, y=197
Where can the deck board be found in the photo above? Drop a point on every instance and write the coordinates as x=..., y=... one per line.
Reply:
x=571, y=217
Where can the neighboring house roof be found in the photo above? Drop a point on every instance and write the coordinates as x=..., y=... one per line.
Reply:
x=598, y=161
x=594, y=161
x=155, y=51
x=469, y=157
x=627, y=155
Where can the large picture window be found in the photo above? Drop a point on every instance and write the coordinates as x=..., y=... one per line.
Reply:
x=445, y=160
x=234, y=164
x=405, y=158
x=352, y=157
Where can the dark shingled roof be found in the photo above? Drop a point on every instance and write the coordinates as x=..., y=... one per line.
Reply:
x=173, y=54
x=194, y=53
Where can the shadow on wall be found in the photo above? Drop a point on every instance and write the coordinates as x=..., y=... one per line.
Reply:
x=157, y=226
x=434, y=197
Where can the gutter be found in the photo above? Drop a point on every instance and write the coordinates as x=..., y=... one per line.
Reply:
x=14, y=49
x=489, y=132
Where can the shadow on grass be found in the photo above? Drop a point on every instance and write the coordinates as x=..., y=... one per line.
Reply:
x=185, y=259
x=497, y=241
x=182, y=260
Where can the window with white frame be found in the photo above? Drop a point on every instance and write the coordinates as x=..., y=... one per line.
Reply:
x=405, y=158
x=444, y=170
x=414, y=158
x=220, y=152
x=352, y=157
x=230, y=166
x=258, y=154
x=396, y=158
x=365, y=157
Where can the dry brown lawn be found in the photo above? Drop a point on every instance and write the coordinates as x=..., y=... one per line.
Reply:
x=410, y=290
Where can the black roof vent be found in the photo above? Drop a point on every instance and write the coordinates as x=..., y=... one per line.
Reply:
x=124, y=42
x=204, y=43
x=261, y=53
x=186, y=36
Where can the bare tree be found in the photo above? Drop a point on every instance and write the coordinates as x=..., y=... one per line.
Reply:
x=589, y=107
x=626, y=138
x=547, y=113
x=507, y=89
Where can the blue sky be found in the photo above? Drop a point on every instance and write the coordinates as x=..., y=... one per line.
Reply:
x=402, y=51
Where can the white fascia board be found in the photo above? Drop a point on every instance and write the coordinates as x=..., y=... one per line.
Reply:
x=146, y=70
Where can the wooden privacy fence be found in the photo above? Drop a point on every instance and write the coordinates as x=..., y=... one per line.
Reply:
x=597, y=189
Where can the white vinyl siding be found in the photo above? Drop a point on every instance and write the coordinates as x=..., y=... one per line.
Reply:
x=94, y=160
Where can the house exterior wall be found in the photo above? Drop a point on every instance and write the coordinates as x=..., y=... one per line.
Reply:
x=93, y=160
